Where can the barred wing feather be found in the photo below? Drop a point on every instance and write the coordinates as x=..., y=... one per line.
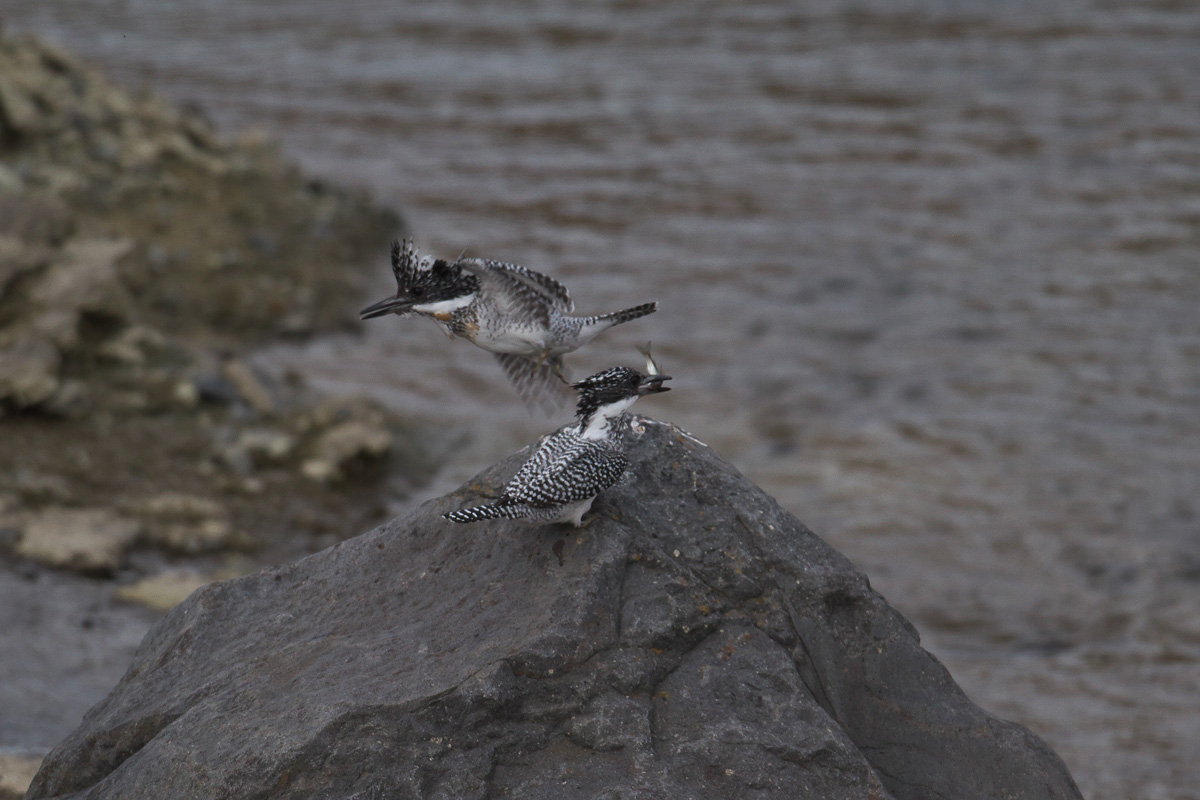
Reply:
x=537, y=383
x=577, y=473
x=554, y=292
x=524, y=295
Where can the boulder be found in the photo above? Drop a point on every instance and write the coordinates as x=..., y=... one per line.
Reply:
x=29, y=367
x=88, y=540
x=163, y=591
x=185, y=524
x=86, y=281
x=16, y=771
x=695, y=640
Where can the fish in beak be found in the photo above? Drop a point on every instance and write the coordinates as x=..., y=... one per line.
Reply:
x=653, y=382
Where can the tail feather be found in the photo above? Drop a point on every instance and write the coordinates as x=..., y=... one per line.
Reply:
x=590, y=327
x=624, y=315
x=501, y=508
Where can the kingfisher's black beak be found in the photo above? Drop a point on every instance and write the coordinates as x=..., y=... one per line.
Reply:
x=392, y=305
x=653, y=384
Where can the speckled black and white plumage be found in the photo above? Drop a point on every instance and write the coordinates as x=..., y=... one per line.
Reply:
x=558, y=483
x=563, y=476
x=421, y=282
x=521, y=316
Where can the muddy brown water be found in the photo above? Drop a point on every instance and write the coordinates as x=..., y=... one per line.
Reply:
x=929, y=272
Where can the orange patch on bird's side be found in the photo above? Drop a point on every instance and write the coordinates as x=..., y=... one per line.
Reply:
x=444, y=316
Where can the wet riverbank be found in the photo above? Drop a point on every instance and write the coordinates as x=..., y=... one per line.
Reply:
x=142, y=256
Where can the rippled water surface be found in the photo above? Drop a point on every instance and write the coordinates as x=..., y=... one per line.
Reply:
x=928, y=271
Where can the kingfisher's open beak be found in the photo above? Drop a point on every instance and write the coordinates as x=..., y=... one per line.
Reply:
x=392, y=305
x=653, y=384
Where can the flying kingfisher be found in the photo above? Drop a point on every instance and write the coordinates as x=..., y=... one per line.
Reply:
x=563, y=476
x=521, y=316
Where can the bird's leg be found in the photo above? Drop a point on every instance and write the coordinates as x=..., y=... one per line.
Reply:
x=558, y=371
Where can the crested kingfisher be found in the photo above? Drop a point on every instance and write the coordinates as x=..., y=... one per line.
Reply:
x=520, y=316
x=563, y=476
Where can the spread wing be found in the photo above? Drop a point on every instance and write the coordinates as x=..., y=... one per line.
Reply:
x=549, y=288
x=404, y=262
x=519, y=292
x=538, y=384
x=564, y=471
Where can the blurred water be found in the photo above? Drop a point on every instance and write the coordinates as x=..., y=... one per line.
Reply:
x=928, y=272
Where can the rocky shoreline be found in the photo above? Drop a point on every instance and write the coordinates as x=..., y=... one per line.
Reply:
x=142, y=255
x=694, y=640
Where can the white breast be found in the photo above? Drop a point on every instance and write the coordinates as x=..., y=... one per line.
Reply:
x=598, y=425
x=518, y=341
x=444, y=306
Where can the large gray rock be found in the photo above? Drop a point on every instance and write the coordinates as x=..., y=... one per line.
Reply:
x=695, y=641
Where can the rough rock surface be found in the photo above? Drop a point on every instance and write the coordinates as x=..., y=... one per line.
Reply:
x=694, y=641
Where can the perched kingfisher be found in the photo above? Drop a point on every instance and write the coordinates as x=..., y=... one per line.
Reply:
x=563, y=476
x=521, y=316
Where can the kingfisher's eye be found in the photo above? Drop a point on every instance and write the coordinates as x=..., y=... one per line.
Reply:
x=417, y=291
